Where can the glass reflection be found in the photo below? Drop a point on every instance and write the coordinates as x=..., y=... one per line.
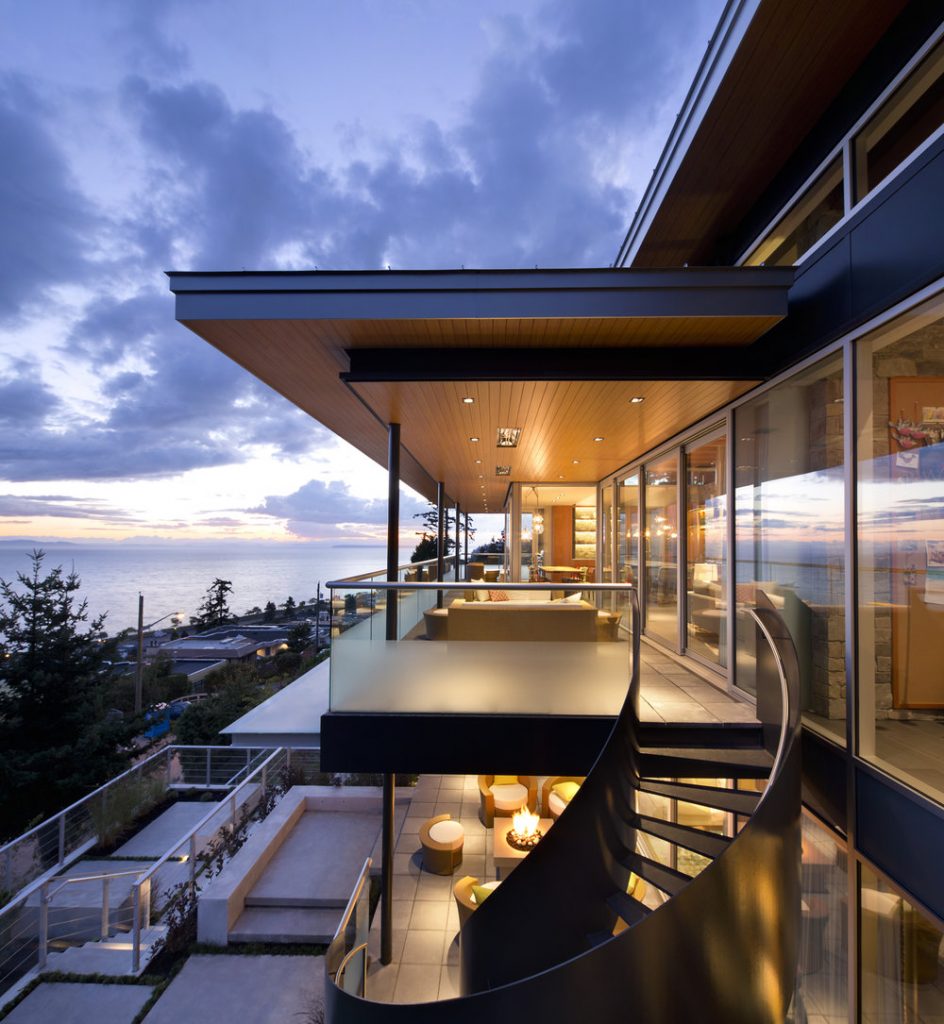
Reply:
x=661, y=547
x=790, y=524
x=901, y=550
x=707, y=516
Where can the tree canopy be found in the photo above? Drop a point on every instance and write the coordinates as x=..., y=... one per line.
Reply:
x=57, y=741
x=215, y=609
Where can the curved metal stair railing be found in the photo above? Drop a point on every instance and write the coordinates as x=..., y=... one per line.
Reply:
x=563, y=940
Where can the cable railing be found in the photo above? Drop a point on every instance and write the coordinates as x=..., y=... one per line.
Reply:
x=71, y=910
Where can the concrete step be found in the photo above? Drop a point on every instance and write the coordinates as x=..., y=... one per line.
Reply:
x=92, y=958
x=286, y=925
x=312, y=902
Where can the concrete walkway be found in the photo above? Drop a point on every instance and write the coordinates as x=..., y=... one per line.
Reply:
x=71, y=1003
x=261, y=989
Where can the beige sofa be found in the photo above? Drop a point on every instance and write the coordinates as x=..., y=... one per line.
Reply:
x=528, y=619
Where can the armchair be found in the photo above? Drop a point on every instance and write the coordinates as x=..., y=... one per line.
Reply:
x=506, y=798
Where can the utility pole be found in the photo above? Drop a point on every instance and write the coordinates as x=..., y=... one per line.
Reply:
x=139, y=665
x=318, y=621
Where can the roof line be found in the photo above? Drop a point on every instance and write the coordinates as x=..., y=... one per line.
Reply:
x=732, y=26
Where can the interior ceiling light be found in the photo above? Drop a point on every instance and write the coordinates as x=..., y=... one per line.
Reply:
x=478, y=462
x=503, y=471
x=636, y=399
x=508, y=437
x=575, y=462
x=474, y=440
x=468, y=400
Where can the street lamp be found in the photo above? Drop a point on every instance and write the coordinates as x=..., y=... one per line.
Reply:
x=139, y=665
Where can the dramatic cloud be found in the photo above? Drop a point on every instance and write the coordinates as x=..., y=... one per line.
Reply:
x=61, y=506
x=45, y=223
x=320, y=504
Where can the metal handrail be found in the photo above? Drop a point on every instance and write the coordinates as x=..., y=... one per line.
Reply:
x=339, y=974
x=404, y=567
x=467, y=585
x=338, y=937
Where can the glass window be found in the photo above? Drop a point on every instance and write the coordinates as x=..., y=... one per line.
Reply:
x=707, y=555
x=822, y=975
x=661, y=548
x=628, y=530
x=790, y=524
x=900, y=408
x=913, y=112
x=900, y=956
x=805, y=222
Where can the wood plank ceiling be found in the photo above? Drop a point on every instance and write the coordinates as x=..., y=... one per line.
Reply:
x=302, y=360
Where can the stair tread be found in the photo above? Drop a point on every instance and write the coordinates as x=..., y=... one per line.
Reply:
x=660, y=875
x=734, y=800
x=709, y=844
x=286, y=924
x=629, y=909
x=709, y=762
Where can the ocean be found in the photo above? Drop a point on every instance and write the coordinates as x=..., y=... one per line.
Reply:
x=175, y=576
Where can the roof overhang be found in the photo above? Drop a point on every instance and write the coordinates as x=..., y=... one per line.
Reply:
x=553, y=350
x=772, y=69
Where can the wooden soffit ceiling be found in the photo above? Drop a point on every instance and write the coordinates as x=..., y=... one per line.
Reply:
x=300, y=333
x=795, y=57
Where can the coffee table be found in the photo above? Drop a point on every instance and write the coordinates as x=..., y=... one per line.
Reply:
x=506, y=857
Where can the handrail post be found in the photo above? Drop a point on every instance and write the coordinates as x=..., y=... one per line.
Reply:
x=106, y=917
x=62, y=837
x=136, y=927
x=193, y=859
x=43, y=922
x=393, y=524
x=207, y=767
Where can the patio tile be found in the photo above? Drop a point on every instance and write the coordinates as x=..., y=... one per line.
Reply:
x=417, y=983
x=449, y=982
x=381, y=981
x=473, y=865
x=422, y=809
x=429, y=914
x=434, y=887
x=404, y=887
x=472, y=826
x=423, y=947
x=473, y=845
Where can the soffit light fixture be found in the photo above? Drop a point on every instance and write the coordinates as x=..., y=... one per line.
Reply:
x=636, y=400
x=474, y=440
x=503, y=471
x=468, y=400
x=508, y=437
x=598, y=439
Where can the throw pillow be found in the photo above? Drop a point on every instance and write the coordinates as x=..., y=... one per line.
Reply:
x=497, y=595
x=566, y=790
x=480, y=595
x=505, y=780
x=480, y=893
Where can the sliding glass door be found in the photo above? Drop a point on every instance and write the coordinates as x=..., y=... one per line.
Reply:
x=661, y=549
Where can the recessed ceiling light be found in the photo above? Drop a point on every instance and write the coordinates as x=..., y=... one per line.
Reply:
x=575, y=462
x=561, y=477
x=473, y=439
x=478, y=462
x=598, y=439
x=468, y=400
x=481, y=476
x=636, y=399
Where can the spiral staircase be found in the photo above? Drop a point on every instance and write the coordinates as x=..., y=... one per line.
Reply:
x=566, y=939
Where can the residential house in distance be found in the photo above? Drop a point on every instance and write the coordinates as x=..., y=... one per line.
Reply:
x=743, y=416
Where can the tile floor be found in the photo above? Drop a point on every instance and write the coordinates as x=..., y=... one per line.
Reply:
x=425, y=963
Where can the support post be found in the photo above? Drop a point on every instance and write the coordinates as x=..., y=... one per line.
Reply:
x=43, y=923
x=465, y=557
x=440, y=537
x=393, y=524
x=139, y=664
x=62, y=837
x=455, y=561
x=106, y=922
x=386, y=919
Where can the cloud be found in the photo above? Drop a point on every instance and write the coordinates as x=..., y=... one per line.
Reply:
x=319, y=506
x=45, y=222
x=61, y=506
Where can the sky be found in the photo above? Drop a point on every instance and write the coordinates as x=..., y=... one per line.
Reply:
x=140, y=136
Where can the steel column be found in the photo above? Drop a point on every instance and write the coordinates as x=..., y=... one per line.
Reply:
x=393, y=555
x=393, y=523
x=386, y=908
x=455, y=563
x=440, y=536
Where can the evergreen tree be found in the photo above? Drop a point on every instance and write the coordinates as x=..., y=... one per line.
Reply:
x=270, y=612
x=289, y=607
x=215, y=609
x=56, y=741
x=299, y=637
